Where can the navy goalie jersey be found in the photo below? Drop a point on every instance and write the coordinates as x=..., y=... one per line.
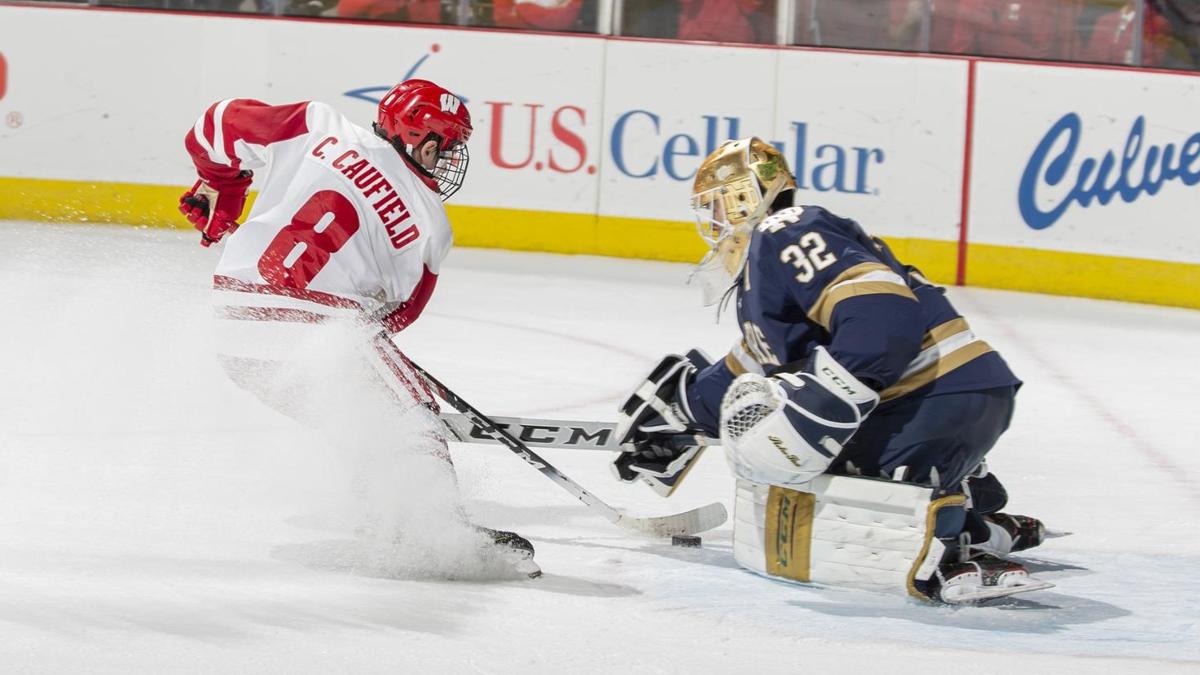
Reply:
x=813, y=278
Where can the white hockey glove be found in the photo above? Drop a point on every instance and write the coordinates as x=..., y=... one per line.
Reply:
x=655, y=427
x=788, y=428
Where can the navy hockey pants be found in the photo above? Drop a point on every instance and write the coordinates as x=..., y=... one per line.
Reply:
x=949, y=433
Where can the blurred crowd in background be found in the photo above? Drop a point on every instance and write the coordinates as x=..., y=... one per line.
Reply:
x=1152, y=33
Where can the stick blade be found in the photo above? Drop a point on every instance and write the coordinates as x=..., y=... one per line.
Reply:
x=689, y=522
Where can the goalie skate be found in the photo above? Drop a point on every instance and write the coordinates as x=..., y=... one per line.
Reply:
x=1025, y=532
x=984, y=578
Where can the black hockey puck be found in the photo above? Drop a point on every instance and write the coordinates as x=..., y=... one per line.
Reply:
x=685, y=540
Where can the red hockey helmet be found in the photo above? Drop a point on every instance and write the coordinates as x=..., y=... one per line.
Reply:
x=416, y=111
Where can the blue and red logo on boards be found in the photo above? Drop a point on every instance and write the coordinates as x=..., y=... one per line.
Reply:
x=819, y=166
x=1139, y=169
x=642, y=145
x=3, y=75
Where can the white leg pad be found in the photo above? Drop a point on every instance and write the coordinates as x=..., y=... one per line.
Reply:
x=840, y=531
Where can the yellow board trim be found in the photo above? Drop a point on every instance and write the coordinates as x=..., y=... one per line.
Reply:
x=1023, y=269
x=1156, y=282
x=86, y=201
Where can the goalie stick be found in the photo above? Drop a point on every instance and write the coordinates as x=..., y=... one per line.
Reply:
x=694, y=521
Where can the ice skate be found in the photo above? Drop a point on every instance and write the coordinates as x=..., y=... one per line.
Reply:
x=1026, y=532
x=515, y=547
x=982, y=578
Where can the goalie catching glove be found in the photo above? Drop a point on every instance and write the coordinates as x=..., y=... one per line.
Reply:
x=655, y=427
x=788, y=428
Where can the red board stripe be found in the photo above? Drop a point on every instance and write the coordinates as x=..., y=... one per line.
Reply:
x=960, y=278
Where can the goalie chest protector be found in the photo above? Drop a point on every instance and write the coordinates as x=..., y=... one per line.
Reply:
x=840, y=531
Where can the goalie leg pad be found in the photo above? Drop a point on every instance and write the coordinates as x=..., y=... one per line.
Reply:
x=841, y=531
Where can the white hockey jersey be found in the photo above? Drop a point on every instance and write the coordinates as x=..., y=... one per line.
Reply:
x=342, y=223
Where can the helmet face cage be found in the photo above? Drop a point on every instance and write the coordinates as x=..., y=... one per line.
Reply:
x=451, y=169
x=722, y=209
x=719, y=269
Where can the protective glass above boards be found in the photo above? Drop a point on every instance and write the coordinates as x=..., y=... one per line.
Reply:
x=545, y=15
x=731, y=21
x=578, y=16
x=1155, y=33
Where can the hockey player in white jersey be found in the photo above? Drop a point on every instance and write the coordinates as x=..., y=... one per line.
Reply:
x=348, y=229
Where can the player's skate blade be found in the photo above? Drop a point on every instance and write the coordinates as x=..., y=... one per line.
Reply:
x=516, y=548
x=984, y=578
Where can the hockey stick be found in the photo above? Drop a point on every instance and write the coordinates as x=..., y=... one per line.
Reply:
x=572, y=435
x=697, y=520
x=568, y=434
x=563, y=434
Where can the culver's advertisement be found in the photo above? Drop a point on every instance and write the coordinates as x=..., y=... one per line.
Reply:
x=1087, y=161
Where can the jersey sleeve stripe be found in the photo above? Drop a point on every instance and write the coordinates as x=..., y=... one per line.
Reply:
x=739, y=361
x=943, y=331
x=203, y=131
x=939, y=360
x=943, y=366
x=220, y=151
x=257, y=123
x=818, y=308
x=862, y=279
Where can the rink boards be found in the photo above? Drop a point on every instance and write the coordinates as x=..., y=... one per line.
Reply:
x=1059, y=179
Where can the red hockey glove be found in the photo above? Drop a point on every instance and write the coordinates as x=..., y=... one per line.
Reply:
x=214, y=206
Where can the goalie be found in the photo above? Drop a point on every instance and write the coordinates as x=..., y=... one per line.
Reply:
x=855, y=410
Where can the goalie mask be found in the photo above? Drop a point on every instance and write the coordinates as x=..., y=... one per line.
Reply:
x=417, y=111
x=734, y=189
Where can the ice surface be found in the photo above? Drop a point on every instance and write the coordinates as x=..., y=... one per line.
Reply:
x=154, y=517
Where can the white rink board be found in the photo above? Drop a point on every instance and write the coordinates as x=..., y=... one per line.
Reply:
x=88, y=116
x=882, y=138
x=1020, y=108
x=666, y=107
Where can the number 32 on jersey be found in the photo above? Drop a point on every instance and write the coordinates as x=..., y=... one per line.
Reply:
x=809, y=256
